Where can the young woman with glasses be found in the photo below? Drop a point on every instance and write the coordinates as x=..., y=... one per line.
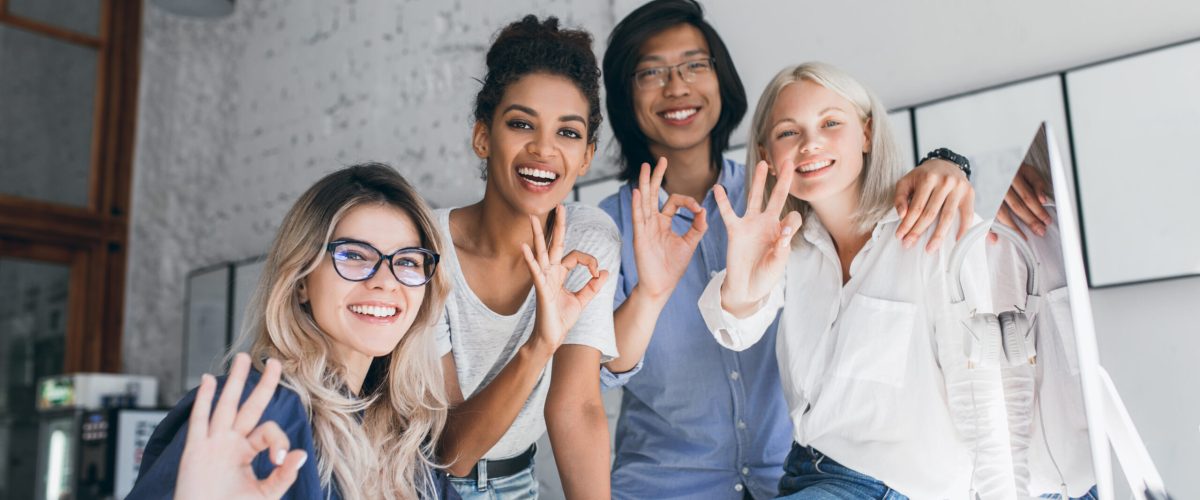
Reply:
x=524, y=331
x=341, y=321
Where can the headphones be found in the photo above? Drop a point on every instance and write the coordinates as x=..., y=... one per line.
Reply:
x=1006, y=336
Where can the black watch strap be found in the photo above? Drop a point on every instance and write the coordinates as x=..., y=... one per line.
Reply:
x=952, y=157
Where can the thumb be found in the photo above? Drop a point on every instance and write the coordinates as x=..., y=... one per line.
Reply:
x=277, y=484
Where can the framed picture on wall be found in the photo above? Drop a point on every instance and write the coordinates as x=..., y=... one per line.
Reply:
x=206, y=322
x=1135, y=169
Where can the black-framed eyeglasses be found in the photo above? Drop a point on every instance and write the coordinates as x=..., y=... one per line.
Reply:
x=358, y=261
x=658, y=76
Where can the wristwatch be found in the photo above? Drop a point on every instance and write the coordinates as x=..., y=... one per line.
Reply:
x=950, y=156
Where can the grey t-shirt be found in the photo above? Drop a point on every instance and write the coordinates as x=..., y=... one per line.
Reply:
x=483, y=342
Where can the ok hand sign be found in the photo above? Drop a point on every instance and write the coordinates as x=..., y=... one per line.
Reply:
x=218, y=451
x=759, y=242
x=557, y=307
x=661, y=255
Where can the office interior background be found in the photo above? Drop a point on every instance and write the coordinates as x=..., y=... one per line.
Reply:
x=143, y=151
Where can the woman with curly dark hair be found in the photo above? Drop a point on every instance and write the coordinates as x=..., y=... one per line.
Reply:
x=524, y=333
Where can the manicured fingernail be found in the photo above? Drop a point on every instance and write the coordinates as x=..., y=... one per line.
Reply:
x=1040, y=230
x=303, y=458
x=1042, y=198
x=908, y=242
x=279, y=456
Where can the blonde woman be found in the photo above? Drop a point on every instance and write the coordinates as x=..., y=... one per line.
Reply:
x=345, y=304
x=864, y=334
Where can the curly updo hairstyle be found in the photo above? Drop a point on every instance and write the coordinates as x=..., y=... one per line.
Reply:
x=532, y=46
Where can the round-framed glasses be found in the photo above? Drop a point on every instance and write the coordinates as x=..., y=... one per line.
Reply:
x=358, y=261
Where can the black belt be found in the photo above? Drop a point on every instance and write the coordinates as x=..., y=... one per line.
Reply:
x=504, y=467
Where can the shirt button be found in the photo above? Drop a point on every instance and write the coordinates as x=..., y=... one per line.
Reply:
x=738, y=487
x=741, y=424
x=712, y=274
x=734, y=375
x=745, y=471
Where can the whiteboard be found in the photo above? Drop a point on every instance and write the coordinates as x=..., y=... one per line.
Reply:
x=1135, y=122
x=993, y=128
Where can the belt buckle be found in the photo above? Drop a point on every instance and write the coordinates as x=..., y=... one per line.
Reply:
x=481, y=475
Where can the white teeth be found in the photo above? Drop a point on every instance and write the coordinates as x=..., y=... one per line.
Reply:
x=539, y=173
x=682, y=114
x=377, y=311
x=815, y=166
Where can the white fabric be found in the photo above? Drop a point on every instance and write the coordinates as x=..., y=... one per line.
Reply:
x=863, y=363
x=1058, y=401
x=483, y=341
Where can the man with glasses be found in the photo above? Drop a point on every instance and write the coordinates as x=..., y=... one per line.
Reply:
x=698, y=420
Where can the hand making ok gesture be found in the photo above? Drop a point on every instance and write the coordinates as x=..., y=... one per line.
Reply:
x=759, y=241
x=557, y=307
x=661, y=255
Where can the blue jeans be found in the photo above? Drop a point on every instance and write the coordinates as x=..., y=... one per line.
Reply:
x=521, y=485
x=810, y=475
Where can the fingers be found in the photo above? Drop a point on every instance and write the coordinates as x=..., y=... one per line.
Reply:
x=576, y=258
x=928, y=211
x=539, y=242
x=277, y=484
x=638, y=217
x=227, y=404
x=945, y=221
x=660, y=171
x=679, y=200
x=251, y=411
x=788, y=227
x=1028, y=195
x=904, y=190
x=757, y=184
x=966, y=210
x=198, y=421
x=268, y=436
x=695, y=233
x=1021, y=210
x=916, y=205
x=591, y=288
x=783, y=185
x=723, y=206
x=643, y=191
x=535, y=269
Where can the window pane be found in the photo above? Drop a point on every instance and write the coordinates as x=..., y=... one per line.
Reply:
x=33, y=328
x=46, y=106
x=82, y=16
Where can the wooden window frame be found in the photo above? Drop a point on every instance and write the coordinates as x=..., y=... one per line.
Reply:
x=94, y=235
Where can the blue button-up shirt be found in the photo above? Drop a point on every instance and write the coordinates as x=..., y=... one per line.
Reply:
x=697, y=420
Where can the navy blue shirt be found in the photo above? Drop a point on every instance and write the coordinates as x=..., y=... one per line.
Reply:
x=160, y=462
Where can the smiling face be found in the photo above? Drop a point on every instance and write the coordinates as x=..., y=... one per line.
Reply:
x=820, y=133
x=365, y=319
x=536, y=145
x=679, y=116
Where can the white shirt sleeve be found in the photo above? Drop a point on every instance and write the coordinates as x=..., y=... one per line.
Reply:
x=730, y=331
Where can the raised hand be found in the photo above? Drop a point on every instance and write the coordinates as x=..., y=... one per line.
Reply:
x=557, y=307
x=661, y=255
x=218, y=451
x=759, y=241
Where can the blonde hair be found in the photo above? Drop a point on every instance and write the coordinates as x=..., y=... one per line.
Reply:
x=382, y=444
x=882, y=166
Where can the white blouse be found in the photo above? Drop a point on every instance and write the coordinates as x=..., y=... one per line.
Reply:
x=874, y=370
